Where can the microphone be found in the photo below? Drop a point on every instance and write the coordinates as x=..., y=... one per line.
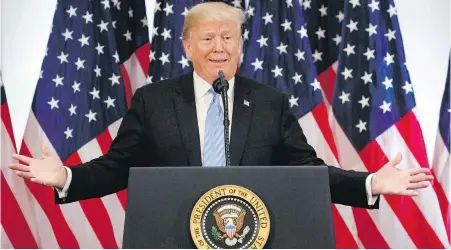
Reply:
x=221, y=83
x=221, y=86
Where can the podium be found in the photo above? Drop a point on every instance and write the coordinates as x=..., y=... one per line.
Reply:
x=199, y=207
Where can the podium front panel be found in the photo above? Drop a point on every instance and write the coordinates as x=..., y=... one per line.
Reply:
x=161, y=199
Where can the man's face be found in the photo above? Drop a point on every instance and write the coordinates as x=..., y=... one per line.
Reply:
x=214, y=46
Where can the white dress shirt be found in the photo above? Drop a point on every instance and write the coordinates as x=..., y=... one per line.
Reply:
x=203, y=99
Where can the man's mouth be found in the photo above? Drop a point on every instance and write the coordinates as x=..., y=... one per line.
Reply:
x=218, y=61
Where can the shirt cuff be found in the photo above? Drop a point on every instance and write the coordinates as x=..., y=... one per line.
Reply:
x=370, y=197
x=62, y=193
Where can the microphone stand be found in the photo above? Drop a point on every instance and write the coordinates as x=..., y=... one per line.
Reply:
x=221, y=86
x=226, y=124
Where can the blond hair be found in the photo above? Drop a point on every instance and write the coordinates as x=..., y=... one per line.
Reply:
x=212, y=11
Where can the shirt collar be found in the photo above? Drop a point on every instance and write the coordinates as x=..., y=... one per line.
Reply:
x=201, y=86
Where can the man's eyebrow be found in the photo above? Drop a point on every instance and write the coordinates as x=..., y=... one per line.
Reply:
x=212, y=33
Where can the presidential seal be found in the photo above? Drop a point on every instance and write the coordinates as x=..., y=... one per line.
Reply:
x=229, y=217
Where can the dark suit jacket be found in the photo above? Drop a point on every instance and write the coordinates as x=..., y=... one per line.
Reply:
x=160, y=129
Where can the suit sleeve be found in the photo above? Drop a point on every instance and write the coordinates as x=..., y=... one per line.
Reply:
x=109, y=173
x=347, y=187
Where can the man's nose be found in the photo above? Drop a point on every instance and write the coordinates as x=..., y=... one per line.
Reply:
x=219, y=47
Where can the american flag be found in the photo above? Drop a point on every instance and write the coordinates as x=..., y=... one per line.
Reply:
x=167, y=55
x=14, y=225
x=359, y=53
x=441, y=160
x=97, y=56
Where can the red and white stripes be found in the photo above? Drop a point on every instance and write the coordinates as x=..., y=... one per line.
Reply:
x=401, y=222
x=30, y=219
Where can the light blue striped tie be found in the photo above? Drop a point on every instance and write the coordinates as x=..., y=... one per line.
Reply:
x=214, y=150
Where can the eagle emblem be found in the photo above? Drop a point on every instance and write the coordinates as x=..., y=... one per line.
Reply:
x=230, y=220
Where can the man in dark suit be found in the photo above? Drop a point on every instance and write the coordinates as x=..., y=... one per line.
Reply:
x=178, y=122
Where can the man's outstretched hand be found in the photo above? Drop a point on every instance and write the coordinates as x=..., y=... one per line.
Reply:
x=47, y=171
x=392, y=181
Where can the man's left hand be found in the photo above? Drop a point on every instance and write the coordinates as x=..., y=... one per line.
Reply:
x=392, y=181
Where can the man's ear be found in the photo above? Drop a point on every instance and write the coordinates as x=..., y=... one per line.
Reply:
x=187, y=47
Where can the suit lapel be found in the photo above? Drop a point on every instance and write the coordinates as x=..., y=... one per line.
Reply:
x=242, y=115
x=185, y=109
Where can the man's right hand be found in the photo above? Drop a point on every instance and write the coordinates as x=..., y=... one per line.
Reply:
x=47, y=171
